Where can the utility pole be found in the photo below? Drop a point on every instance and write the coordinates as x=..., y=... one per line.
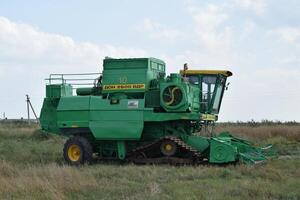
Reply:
x=29, y=105
x=28, y=113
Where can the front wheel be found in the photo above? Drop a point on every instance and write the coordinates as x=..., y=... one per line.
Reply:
x=77, y=151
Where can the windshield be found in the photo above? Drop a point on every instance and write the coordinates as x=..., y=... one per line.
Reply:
x=212, y=89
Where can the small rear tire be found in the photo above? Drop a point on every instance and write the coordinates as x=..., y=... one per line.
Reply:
x=77, y=151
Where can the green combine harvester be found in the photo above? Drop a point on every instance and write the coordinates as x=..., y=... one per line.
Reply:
x=134, y=112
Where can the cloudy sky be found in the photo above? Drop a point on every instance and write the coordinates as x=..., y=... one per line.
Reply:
x=258, y=40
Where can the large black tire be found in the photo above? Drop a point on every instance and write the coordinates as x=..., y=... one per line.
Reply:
x=78, y=151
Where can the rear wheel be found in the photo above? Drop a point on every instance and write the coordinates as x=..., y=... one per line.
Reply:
x=77, y=150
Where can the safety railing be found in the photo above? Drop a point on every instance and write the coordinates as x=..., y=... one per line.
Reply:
x=76, y=80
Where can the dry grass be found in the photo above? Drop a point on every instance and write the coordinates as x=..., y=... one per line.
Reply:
x=31, y=167
x=48, y=181
x=262, y=132
x=276, y=180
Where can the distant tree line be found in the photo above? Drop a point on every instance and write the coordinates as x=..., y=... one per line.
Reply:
x=254, y=123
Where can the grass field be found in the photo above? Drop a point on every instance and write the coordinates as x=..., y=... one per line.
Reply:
x=31, y=167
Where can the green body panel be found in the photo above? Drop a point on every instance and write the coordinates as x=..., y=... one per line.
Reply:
x=133, y=104
x=73, y=112
x=58, y=90
x=48, y=116
x=116, y=121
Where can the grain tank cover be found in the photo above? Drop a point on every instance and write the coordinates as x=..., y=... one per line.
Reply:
x=130, y=75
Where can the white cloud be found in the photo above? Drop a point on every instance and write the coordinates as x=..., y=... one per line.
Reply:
x=28, y=55
x=270, y=93
x=288, y=34
x=158, y=31
x=258, y=6
x=249, y=26
x=24, y=43
x=210, y=27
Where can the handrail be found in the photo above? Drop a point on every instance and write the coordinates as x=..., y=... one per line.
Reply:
x=77, y=79
x=92, y=73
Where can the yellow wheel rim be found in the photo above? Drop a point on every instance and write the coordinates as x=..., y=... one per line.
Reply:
x=74, y=152
x=168, y=147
